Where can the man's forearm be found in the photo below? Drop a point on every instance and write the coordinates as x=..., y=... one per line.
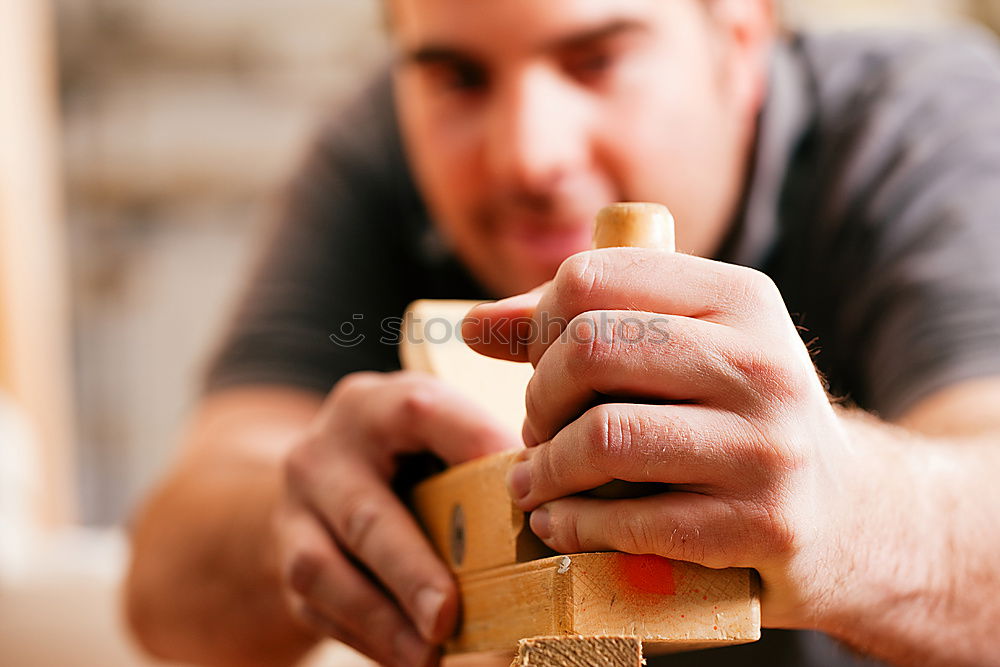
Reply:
x=203, y=586
x=922, y=576
x=215, y=599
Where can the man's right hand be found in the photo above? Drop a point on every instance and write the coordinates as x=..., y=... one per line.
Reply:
x=354, y=563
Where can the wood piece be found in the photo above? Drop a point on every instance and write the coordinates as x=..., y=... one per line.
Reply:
x=634, y=225
x=668, y=605
x=497, y=571
x=600, y=651
x=432, y=343
x=471, y=520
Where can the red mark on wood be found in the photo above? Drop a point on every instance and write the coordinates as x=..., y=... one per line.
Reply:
x=648, y=573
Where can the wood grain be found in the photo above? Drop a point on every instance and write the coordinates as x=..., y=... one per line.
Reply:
x=579, y=652
x=608, y=594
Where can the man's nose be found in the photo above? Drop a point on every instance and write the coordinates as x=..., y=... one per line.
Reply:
x=537, y=132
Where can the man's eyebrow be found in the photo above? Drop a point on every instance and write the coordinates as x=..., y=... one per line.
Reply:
x=587, y=36
x=437, y=53
x=431, y=54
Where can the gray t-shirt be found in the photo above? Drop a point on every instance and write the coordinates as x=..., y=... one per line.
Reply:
x=873, y=202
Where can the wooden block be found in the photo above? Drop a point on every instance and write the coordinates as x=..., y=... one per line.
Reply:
x=432, y=344
x=508, y=595
x=668, y=605
x=471, y=520
x=579, y=652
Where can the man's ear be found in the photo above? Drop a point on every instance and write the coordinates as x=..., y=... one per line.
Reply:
x=748, y=29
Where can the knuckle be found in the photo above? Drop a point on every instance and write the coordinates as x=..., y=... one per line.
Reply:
x=571, y=538
x=359, y=521
x=675, y=434
x=421, y=402
x=304, y=570
x=298, y=465
x=533, y=402
x=759, y=287
x=750, y=290
x=356, y=383
x=770, y=374
x=773, y=530
x=589, y=343
x=579, y=277
x=634, y=530
x=610, y=436
x=769, y=455
x=778, y=459
x=545, y=468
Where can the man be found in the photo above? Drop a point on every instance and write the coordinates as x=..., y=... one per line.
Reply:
x=850, y=180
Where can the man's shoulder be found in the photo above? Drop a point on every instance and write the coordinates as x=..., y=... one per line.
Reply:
x=852, y=70
x=890, y=112
x=361, y=131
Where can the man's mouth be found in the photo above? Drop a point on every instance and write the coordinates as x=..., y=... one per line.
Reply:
x=545, y=244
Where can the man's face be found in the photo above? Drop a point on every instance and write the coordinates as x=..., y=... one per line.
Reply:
x=522, y=118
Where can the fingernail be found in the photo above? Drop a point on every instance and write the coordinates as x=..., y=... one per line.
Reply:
x=519, y=480
x=410, y=649
x=540, y=521
x=429, y=602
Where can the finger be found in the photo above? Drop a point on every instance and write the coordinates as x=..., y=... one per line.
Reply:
x=499, y=329
x=682, y=526
x=673, y=444
x=633, y=354
x=655, y=281
x=327, y=592
x=370, y=522
x=376, y=648
x=417, y=412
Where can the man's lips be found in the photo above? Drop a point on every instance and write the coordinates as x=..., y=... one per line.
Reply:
x=546, y=244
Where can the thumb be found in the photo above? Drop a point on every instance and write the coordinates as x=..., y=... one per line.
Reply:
x=499, y=329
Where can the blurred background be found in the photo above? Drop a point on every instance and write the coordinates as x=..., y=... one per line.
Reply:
x=141, y=146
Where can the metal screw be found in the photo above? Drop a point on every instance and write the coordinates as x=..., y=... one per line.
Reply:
x=457, y=535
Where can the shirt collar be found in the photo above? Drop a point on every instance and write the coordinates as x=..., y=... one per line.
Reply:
x=782, y=123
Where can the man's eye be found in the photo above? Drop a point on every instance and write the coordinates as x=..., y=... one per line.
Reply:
x=592, y=66
x=458, y=77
